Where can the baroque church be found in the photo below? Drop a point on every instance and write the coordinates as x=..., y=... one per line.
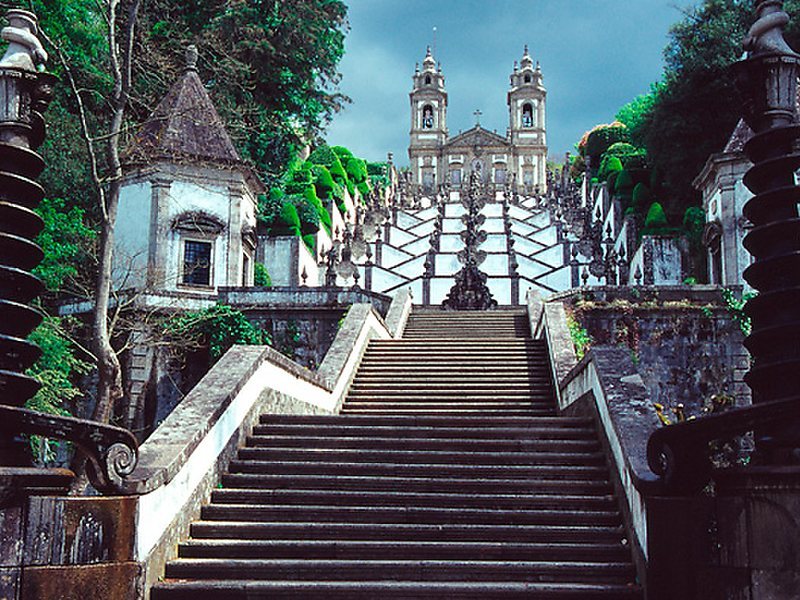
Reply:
x=519, y=157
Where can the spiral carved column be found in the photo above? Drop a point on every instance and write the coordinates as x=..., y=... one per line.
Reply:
x=24, y=94
x=112, y=452
x=768, y=80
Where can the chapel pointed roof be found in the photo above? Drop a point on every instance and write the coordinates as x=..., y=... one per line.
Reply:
x=184, y=125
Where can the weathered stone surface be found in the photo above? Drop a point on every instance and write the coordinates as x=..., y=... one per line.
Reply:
x=535, y=310
x=687, y=349
x=76, y=531
x=398, y=313
x=562, y=351
x=10, y=536
x=10, y=583
x=120, y=581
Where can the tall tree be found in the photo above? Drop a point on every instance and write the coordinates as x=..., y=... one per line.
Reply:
x=691, y=113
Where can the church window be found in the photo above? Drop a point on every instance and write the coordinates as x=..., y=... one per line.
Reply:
x=197, y=262
x=527, y=78
x=527, y=115
x=427, y=79
x=427, y=117
x=500, y=176
x=455, y=176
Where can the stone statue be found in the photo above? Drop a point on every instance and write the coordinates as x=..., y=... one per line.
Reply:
x=24, y=51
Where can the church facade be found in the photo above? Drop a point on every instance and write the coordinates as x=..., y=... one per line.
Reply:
x=519, y=157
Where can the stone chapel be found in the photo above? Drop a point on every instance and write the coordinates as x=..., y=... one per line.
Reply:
x=519, y=157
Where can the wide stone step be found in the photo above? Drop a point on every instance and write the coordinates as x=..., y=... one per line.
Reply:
x=399, y=570
x=468, y=392
x=402, y=590
x=407, y=514
x=426, y=456
x=369, y=440
x=451, y=408
x=419, y=499
x=416, y=382
x=445, y=532
x=389, y=469
x=402, y=550
x=488, y=424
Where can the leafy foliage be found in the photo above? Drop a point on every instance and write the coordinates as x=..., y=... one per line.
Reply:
x=56, y=370
x=216, y=328
x=261, y=275
x=692, y=111
x=66, y=241
x=600, y=138
x=581, y=340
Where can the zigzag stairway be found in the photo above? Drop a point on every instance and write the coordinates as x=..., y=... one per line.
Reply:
x=447, y=475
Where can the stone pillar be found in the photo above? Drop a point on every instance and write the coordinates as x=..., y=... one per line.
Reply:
x=158, y=247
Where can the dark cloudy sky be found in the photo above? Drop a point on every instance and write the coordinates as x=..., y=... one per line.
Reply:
x=596, y=55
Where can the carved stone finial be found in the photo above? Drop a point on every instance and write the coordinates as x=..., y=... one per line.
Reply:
x=766, y=34
x=24, y=51
x=191, y=58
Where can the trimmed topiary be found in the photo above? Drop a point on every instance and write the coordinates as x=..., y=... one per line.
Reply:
x=261, y=275
x=641, y=195
x=624, y=183
x=602, y=137
x=608, y=165
x=307, y=213
x=655, y=219
x=289, y=221
x=310, y=240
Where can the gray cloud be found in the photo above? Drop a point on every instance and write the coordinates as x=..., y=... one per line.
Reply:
x=596, y=55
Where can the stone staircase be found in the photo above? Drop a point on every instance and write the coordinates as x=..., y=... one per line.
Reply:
x=447, y=475
x=417, y=236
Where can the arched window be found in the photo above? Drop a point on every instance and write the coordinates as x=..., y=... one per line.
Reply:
x=427, y=79
x=527, y=115
x=527, y=78
x=427, y=117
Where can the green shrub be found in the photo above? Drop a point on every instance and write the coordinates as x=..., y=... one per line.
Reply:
x=363, y=189
x=289, y=223
x=299, y=178
x=612, y=179
x=694, y=222
x=261, y=275
x=343, y=153
x=322, y=212
x=327, y=158
x=608, y=165
x=217, y=328
x=656, y=219
x=641, y=195
x=602, y=137
x=323, y=181
x=624, y=183
x=270, y=207
x=310, y=240
x=306, y=212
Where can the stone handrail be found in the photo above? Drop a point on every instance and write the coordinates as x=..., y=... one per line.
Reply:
x=607, y=379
